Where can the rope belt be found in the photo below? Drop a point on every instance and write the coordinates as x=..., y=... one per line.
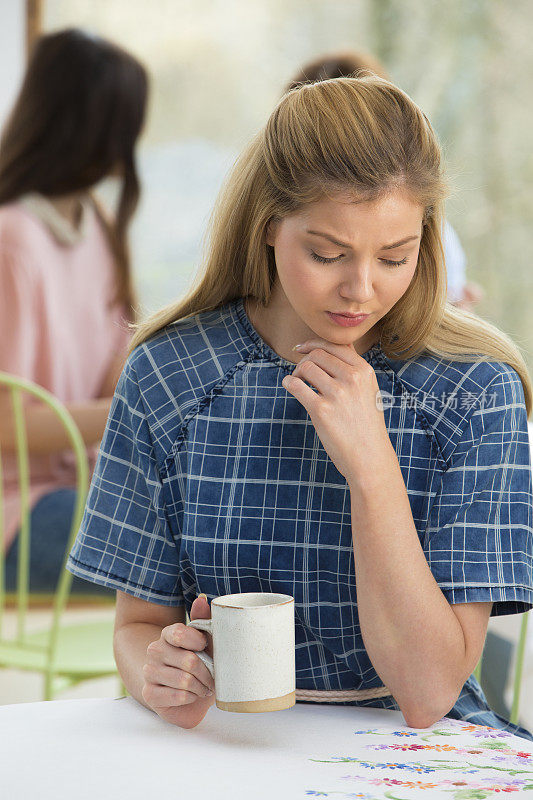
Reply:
x=319, y=695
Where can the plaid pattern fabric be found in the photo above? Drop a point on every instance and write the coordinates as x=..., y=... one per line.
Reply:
x=211, y=478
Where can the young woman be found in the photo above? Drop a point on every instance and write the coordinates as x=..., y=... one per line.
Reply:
x=379, y=474
x=66, y=293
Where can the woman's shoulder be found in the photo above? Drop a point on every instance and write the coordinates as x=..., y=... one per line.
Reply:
x=446, y=394
x=429, y=373
x=21, y=245
x=188, y=359
x=28, y=228
x=17, y=226
x=205, y=338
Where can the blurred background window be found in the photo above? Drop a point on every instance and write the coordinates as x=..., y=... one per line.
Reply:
x=219, y=66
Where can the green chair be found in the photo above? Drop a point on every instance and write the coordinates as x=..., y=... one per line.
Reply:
x=519, y=664
x=65, y=654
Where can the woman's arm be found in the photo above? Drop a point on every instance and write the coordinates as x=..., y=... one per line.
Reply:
x=422, y=650
x=137, y=624
x=157, y=660
x=45, y=431
x=416, y=642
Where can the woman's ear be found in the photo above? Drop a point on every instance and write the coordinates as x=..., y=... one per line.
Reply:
x=271, y=230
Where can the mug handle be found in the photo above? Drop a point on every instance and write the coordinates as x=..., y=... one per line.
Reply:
x=207, y=626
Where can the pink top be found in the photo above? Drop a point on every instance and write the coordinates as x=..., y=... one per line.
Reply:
x=56, y=329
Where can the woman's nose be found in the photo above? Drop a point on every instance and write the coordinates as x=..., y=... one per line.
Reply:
x=358, y=286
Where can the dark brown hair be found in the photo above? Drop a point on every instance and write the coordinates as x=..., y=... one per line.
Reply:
x=76, y=120
x=341, y=64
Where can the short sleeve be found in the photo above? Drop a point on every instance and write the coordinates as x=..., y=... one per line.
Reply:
x=125, y=541
x=19, y=317
x=479, y=538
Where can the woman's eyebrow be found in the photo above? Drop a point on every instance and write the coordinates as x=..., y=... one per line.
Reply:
x=343, y=244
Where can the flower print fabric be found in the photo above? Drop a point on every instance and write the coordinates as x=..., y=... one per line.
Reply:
x=211, y=478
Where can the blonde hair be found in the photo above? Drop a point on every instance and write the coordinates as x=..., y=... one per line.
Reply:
x=363, y=137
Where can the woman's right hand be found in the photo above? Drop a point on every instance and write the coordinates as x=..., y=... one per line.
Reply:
x=176, y=680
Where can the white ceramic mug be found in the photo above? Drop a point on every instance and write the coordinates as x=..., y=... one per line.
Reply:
x=253, y=662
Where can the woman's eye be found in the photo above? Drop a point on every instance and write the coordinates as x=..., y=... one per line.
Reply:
x=323, y=260
x=394, y=263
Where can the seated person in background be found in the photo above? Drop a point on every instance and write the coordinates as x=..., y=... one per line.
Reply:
x=66, y=293
x=343, y=64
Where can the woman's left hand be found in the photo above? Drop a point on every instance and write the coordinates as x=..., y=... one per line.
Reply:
x=346, y=412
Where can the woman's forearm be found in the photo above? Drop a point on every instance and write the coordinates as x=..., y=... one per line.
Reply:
x=45, y=432
x=413, y=638
x=129, y=646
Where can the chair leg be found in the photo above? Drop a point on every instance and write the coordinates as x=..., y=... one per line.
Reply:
x=48, y=686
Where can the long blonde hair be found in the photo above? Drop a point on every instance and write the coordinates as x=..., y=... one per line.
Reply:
x=363, y=136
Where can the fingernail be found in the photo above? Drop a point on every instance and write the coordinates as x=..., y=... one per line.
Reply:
x=297, y=346
x=209, y=694
x=203, y=595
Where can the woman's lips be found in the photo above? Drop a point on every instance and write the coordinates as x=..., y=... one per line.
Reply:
x=347, y=322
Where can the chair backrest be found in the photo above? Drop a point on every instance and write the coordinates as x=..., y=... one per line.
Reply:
x=519, y=665
x=17, y=387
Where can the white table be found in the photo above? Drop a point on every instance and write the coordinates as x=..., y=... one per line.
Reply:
x=105, y=748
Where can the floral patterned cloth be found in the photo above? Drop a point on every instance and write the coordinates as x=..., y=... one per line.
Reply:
x=452, y=759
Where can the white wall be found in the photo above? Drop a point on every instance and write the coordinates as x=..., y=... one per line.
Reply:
x=12, y=55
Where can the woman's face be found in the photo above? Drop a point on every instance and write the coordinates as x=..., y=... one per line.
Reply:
x=341, y=256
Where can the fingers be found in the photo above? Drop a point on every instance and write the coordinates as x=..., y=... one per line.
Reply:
x=169, y=661
x=315, y=374
x=174, y=675
x=162, y=697
x=343, y=352
x=161, y=654
x=328, y=362
x=180, y=635
x=200, y=608
x=174, y=678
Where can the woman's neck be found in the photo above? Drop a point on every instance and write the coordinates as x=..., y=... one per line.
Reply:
x=264, y=323
x=281, y=331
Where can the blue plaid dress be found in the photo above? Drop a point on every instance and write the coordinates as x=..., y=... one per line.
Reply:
x=211, y=478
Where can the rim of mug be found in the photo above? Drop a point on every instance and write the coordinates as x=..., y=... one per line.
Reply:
x=248, y=608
